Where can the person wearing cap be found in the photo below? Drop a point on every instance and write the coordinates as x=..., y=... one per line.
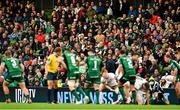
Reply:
x=51, y=70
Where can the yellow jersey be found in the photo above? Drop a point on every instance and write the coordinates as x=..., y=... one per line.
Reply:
x=53, y=63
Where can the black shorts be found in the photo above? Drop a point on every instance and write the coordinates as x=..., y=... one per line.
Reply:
x=52, y=76
x=18, y=79
x=129, y=78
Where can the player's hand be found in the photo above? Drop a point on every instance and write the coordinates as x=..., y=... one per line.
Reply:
x=1, y=78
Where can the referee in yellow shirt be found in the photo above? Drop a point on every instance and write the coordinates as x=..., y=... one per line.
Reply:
x=53, y=63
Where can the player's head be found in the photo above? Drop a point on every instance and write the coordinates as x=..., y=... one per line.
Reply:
x=163, y=81
x=68, y=48
x=8, y=53
x=167, y=58
x=122, y=52
x=91, y=52
x=58, y=51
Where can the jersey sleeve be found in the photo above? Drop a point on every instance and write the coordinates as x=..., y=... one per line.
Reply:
x=86, y=60
x=3, y=61
x=120, y=61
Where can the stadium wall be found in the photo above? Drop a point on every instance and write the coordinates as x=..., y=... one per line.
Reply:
x=39, y=94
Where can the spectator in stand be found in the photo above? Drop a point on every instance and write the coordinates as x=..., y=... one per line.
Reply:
x=33, y=34
x=132, y=11
x=40, y=37
x=100, y=37
x=110, y=64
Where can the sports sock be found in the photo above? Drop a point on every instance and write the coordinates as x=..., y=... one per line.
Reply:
x=55, y=95
x=27, y=96
x=49, y=95
x=7, y=96
x=100, y=97
x=97, y=96
x=74, y=92
x=121, y=90
x=81, y=91
x=133, y=97
x=87, y=92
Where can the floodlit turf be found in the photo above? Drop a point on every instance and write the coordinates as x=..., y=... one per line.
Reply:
x=45, y=106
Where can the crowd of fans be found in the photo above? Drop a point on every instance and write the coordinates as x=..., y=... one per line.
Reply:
x=150, y=31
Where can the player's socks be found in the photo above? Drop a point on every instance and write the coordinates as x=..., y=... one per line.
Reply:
x=27, y=96
x=81, y=91
x=55, y=95
x=133, y=97
x=74, y=92
x=28, y=99
x=121, y=90
x=100, y=97
x=97, y=96
x=49, y=95
x=87, y=92
x=119, y=96
x=7, y=96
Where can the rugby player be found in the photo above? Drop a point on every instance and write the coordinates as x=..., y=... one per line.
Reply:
x=16, y=73
x=53, y=63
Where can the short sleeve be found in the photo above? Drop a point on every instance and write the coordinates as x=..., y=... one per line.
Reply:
x=119, y=61
x=86, y=60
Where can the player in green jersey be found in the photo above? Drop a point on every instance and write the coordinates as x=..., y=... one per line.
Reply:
x=95, y=65
x=175, y=68
x=126, y=73
x=74, y=75
x=15, y=71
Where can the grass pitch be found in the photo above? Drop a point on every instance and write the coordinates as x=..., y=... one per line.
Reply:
x=45, y=106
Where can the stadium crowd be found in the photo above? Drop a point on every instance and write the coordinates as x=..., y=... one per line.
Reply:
x=150, y=31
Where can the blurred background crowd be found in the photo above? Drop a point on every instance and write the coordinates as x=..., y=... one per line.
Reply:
x=105, y=26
